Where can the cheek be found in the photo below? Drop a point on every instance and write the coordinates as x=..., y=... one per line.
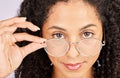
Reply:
x=54, y=60
x=92, y=60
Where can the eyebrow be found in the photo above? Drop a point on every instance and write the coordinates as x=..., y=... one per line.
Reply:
x=57, y=27
x=84, y=27
x=87, y=26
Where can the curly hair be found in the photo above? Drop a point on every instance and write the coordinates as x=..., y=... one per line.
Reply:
x=37, y=64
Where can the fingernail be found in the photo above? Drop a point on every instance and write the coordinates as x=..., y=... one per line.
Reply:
x=37, y=28
x=43, y=40
x=23, y=18
x=44, y=44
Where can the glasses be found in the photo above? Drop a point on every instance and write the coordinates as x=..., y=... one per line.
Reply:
x=86, y=47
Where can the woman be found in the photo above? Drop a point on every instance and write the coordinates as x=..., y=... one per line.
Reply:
x=78, y=39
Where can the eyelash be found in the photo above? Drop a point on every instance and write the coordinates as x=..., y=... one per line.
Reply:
x=57, y=34
x=87, y=33
x=82, y=35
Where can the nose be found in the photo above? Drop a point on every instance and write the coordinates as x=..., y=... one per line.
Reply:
x=72, y=52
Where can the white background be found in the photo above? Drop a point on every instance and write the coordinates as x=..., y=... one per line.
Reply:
x=9, y=8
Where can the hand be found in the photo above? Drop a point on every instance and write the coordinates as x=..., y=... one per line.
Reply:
x=11, y=55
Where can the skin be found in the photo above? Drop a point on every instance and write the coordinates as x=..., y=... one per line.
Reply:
x=11, y=55
x=71, y=19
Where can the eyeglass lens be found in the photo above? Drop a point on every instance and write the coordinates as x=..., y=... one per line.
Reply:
x=86, y=47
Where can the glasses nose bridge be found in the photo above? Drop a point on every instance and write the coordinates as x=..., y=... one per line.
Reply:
x=72, y=51
x=74, y=43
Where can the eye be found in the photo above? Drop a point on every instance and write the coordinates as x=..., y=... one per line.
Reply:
x=87, y=34
x=58, y=35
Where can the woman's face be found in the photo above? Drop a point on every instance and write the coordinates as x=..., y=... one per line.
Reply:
x=73, y=22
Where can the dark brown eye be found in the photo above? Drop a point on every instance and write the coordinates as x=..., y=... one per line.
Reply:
x=87, y=34
x=58, y=35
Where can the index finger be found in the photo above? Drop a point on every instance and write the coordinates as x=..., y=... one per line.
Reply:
x=11, y=21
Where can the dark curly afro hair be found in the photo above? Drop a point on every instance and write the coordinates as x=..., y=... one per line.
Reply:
x=37, y=64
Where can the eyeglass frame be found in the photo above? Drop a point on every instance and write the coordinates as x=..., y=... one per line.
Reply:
x=102, y=44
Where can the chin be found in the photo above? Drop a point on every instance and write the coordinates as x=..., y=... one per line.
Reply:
x=74, y=75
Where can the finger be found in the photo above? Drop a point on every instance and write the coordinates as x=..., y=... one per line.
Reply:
x=11, y=21
x=7, y=39
x=28, y=37
x=30, y=48
x=21, y=25
x=28, y=25
x=7, y=29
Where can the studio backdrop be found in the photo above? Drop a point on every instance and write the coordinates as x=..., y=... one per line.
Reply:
x=9, y=8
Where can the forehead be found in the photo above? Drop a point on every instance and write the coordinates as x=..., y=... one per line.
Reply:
x=72, y=7
x=71, y=14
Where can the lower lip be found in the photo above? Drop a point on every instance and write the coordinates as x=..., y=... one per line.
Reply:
x=73, y=66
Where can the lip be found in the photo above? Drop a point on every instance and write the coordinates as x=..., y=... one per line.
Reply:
x=75, y=66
